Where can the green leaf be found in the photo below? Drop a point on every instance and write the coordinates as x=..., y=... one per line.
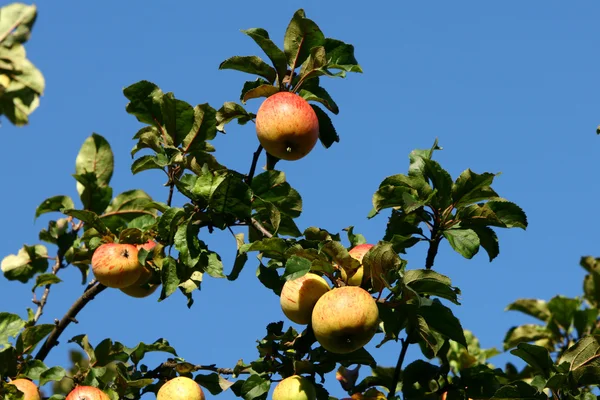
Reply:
x=30, y=260
x=145, y=102
x=145, y=163
x=429, y=282
x=441, y=319
x=240, y=258
x=250, y=85
x=441, y=181
x=204, y=128
x=341, y=56
x=16, y=22
x=232, y=197
x=470, y=188
x=169, y=278
x=585, y=320
x=509, y=213
x=45, y=279
x=533, y=307
x=10, y=326
x=54, y=204
x=32, y=369
x=8, y=359
x=270, y=186
x=269, y=278
x=417, y=157
x=94, y=196
x=32, y=335
x=251, y=65
x=275, y=54
x=149, y=137
x=254, y=387
x=178, y=117
x=258, y=92
x=562, y=310
x=525, y=333
x=379, y=262
x=161, y=345
x=83, y=342
x=214, y=383
x=518, y=390
x=463, y=241
x=311, y=91
x=536, y=356
x=417, y=378
x=327, y=133
x=230, y=111
x=274, y=248
x=168, y=222
x=90, y=218
x=127, y=206
x=354, y=238
x=52, y=374
x=301, y=35
x=314, y=66
x=296, y=267
x=488, y=240
x=95, y=156
x=586, y=350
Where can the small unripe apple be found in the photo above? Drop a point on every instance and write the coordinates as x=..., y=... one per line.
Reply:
x=29, y=389
x=87, y=393
x=345, y=319
x=295, y=387
x=299, y=296
x=116, y=265
x=287, y=126
x=180, y=388
x=357, y=252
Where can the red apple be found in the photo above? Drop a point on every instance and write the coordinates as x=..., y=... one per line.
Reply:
x=345, y=319
x=287, y=126
x=295, y=387
x=141, y=288
x=87, y=393
x=357, y=252
x=29, y=389
x=180, y=388
x=299, y=296
x=149, y=245
x=116, y=265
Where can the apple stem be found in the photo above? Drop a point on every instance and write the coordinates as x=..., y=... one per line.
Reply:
x=52, y=340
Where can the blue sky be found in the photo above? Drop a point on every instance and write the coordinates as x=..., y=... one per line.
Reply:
x=508, y=88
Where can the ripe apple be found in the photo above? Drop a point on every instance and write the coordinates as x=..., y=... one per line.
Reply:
x=87, y=393
x=345, y=319
x=357, y=252
x=141, y=288
x=116, y=265
x=299, y=296
x=287, y=126
x=149, y=245
x=180, y=388
x=295, y=387
x=29, y=389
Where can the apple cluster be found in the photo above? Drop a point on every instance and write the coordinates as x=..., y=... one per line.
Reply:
x=343, y=319
x=116, y=265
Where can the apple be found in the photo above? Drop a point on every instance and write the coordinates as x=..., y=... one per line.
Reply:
x=295, y=387
x=180, y=388
x=149, y=245
x=87, y=393
x=29, y=389
x=345, y=319
x=299, y=296
x=287, y=126
x=141, y=288
x=116, y=265
x=357, y=252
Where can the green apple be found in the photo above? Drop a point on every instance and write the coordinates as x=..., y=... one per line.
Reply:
x=345, y=319
x=295, y=387
x=29, y=389
x=287, y=126
x=299, y=296
x=180, y=388
x=116, y=265
x=87, y=393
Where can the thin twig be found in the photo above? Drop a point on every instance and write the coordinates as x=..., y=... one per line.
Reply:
x=52, y=339
x=398, y=370
x=260, y=228
x=253, y=166
x=42, y=302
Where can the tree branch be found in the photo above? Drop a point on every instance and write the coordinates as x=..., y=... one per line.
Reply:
x=42, y=302
x=398, y=370
x=434, y=245
x=260, y=228
x=172, y=364
x=52, y=340
x=253, y=166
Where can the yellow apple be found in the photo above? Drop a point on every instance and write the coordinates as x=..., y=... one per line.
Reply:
x=295, y=387
x=87, y=393
x=345, y=319
x=180, y=388
x=116, y=265
x=287, y=126
x=29, y=389
x=299, y=296
x=357, y=252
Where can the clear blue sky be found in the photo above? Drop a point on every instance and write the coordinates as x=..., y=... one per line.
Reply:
x=506, y=87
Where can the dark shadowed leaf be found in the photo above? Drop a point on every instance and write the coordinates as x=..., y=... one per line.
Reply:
x=429, y=282
x=311, y=91
x=536, y=356
x=488, y=240
x=258, y=92
x=464, y=241
x=440, y=181
x=145, y=99
x=251, y=65
x=509, y=213
x=441, y=319
x=275, y=54
x=204, y=128
x=340, y=55
x=161, y=345
x=214, y=383
x=562, y=310
x=470, y=188
x=518, y=390
x=270, y=278
x=327, y=133
x=230, y=111
x=90, y=218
